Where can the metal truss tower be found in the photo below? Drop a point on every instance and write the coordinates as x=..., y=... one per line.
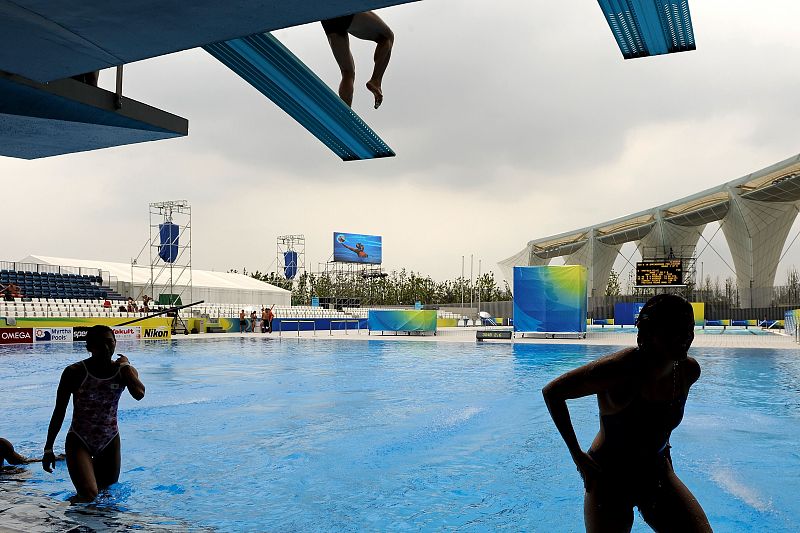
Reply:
x=171, y=252
x=287, y=244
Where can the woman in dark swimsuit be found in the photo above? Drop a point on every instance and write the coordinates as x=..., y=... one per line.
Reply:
x=641, y=393
x=367, y=26
x=92, y=443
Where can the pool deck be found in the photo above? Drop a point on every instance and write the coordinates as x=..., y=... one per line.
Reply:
x=772, y=340
x=26, y=513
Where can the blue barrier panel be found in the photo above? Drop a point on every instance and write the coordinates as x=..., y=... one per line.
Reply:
x=626, y=313
x=550, y=299
x=318, y=324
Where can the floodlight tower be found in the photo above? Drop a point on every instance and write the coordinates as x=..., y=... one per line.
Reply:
x=171, y=252
x=291, y=256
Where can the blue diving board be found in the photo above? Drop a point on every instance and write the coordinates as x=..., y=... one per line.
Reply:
x=270, y=67
x=650, y=27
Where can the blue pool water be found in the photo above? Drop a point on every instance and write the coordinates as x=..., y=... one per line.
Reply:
x=305, y=435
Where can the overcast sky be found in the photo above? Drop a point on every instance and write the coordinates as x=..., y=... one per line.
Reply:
x=512, y=120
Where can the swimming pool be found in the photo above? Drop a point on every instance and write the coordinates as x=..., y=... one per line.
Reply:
x=328, y=435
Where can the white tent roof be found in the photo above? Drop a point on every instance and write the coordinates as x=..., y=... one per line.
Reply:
x=141, y=276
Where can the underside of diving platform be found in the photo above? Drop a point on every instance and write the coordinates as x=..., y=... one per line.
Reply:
x=66, y=116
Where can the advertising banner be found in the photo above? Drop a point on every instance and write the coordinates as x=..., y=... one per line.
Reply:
x=79, y=333
x=397, y=320
x=158, y=333
x=626, y=313
x=128, y=333
x=52, y=335
x=550, y=299
x=16, y=335
x=357, y=248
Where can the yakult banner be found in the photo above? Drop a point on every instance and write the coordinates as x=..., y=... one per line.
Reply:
x=128, y=333
x=16, y=335
x=52, y=335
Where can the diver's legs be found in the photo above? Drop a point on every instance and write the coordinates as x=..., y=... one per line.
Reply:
x=370, y=27
x=340, y=46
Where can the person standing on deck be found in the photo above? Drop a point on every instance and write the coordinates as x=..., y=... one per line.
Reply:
x=92, y=446
x=641, y=394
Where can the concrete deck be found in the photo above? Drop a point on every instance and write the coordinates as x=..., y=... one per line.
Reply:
x=773, y=340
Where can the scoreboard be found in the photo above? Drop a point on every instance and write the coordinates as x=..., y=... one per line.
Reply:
x=659, y=273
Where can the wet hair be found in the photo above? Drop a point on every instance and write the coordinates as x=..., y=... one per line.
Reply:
x=668, y=313
x=96, y=333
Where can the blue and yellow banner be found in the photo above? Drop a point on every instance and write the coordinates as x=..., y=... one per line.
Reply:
x=550, y=298
x=402, y=320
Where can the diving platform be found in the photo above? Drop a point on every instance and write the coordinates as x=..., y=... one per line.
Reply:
x=650, y=27
x=46, y=40
x=266, y=64
x=65, y=116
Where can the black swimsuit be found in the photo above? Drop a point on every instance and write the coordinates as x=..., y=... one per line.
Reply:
x=634, y=454
x=338, y=24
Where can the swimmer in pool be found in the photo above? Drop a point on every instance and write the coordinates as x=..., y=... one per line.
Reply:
x=92, y=443
x=9, y=455
x=367, y=26
x=358, y=250
x=641, y=393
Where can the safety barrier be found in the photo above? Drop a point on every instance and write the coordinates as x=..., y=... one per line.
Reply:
x=282, y=322
x=345, y=320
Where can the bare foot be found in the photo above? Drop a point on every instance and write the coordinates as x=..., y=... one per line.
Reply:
x=375, y=89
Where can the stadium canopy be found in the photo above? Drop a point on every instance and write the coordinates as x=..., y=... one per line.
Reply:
x=42, y=41
x=207, y=285
x=755, y=213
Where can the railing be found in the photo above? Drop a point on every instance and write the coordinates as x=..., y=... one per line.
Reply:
x=345, y=320
x=280, y=326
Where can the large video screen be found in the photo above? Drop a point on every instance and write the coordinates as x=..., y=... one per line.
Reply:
x=659, y=273
x=357, y=248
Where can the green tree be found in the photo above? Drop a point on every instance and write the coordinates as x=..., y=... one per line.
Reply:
x=613, y=288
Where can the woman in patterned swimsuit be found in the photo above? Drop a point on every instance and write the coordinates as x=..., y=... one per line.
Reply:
x=92, y=445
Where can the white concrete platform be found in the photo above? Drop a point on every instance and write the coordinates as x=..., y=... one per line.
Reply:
x=773, y=340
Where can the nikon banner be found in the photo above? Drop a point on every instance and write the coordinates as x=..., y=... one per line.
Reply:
x=157, y=333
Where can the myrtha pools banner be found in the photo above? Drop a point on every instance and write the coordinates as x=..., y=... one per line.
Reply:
x=52, y=335
x=550, y=299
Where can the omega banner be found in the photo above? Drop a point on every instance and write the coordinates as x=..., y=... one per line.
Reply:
x=16, y=335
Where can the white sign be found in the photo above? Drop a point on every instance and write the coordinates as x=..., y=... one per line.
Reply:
x=128, y=333
x=52, y=335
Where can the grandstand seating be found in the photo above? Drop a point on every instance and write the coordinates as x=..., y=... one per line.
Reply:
x=51, y=285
